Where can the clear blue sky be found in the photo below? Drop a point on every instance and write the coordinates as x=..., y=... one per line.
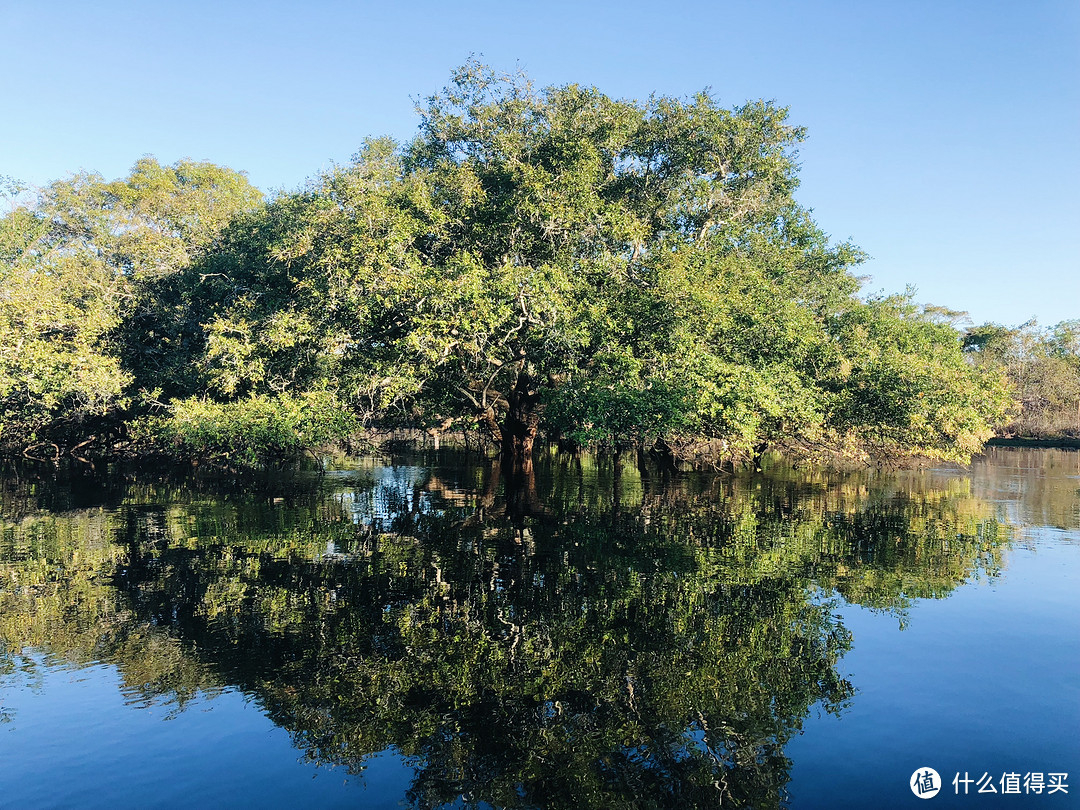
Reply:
x=944, y=136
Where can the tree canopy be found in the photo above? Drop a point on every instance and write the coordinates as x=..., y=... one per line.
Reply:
x=74, y=266
x=534, y=263
x=1043, y=368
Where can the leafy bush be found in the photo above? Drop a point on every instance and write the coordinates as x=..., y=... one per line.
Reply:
x=247, y=431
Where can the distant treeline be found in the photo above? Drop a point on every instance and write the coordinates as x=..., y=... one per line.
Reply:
x=534, y=265
x=1043, y=369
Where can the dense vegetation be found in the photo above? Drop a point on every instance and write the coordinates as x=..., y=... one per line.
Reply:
x=1043, y=369
x=547, y=264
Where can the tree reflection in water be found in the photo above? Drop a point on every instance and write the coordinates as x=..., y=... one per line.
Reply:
x=579, y=636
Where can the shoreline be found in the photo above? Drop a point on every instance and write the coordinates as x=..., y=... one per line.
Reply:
x=1062, y=443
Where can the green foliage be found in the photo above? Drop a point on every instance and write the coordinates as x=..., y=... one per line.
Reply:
x=533, y=263
x=1043, y=369
x=620, y=406
x=72, y=268
x=605, y=271
x=600, y=228
x=904, y=387
x=57, y=367
x=253, y=430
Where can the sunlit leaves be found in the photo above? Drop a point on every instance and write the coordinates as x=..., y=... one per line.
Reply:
x=1043, y=370
x=906, y=387
x=73, y=264
x=601, y=271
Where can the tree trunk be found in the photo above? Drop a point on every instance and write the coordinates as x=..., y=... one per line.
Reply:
x=521, y=423
x=664, y=455
x=759, y=454
x=486, y=418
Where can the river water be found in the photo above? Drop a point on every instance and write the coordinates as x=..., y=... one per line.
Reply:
x=422, y=632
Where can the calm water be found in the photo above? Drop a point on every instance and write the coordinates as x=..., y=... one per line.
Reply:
x=421, y=634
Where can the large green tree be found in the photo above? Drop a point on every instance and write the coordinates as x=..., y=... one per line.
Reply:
x=603, y=272
x=74, y=263
x=609, y=272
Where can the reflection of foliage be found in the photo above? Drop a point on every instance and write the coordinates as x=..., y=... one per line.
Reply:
x=599, y=643
x=876, y=543
x=1049, y=479
x=54, y=595
x=507, y=672
x=9, y=666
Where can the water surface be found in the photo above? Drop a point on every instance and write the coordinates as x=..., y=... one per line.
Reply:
x=424, y=633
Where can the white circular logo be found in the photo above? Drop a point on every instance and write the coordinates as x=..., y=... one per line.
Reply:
x=925, y=783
